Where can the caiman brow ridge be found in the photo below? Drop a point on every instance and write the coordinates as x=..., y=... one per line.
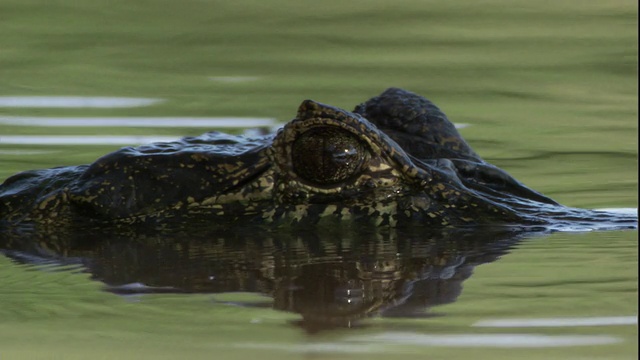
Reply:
x=395, y=160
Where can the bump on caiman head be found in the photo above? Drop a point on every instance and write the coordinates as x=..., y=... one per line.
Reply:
x=395, y=159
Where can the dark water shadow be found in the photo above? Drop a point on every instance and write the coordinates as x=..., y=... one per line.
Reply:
x=333, y=279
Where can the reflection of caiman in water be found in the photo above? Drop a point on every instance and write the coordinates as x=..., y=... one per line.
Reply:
x=396, y=160
x=332, y=280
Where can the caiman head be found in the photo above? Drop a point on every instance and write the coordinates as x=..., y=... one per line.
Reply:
x=396, y=160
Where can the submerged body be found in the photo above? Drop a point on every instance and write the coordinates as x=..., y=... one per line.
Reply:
x=395, y=160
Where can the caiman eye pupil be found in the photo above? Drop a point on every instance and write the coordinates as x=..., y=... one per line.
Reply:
x=327, y=156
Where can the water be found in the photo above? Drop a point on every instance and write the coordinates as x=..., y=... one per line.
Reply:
x=331, y=293
x=344, y=293
x=73, y=102
x=550, y=92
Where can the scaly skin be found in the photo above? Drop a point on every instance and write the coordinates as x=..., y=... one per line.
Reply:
x=396, y=160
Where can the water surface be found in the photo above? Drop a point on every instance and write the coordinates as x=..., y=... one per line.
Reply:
x=550, y=92
x=286, y=294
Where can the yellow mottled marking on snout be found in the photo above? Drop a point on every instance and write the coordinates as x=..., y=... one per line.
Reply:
x=46, y=202
x=380, y=166
x=199, y=157
x=230, y=167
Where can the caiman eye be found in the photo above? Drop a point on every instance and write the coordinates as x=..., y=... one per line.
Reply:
x=327, y=156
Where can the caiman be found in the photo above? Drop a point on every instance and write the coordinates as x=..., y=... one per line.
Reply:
x=395, y=160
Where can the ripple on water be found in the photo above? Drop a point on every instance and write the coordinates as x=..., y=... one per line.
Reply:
x=384, y=342
x=560, y=322
x=625, y=211
x=74, y=102
x=489, y=340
